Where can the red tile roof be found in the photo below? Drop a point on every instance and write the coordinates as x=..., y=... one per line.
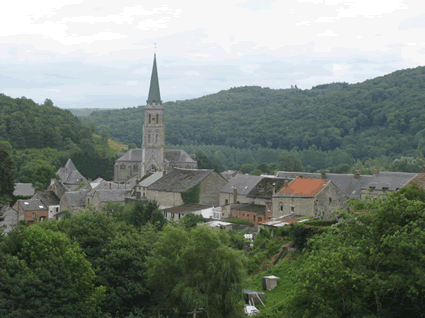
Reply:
x=304, y=187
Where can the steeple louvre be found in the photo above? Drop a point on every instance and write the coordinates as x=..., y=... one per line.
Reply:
x=154, y=95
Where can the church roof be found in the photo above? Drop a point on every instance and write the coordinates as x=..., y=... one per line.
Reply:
x=69, y=174
x=177, y=155
x=132, y=155
x=179, y=180
x=154, y=95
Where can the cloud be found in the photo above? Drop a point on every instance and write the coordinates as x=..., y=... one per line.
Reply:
x=327, y=33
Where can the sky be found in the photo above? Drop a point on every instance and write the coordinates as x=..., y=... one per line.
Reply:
x=99, y=54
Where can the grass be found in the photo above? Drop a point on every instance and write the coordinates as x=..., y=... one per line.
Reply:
x=115, y=146
x=277, y=298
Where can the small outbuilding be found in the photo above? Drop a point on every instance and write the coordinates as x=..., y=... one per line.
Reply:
x=269, y=282
x=253, y=297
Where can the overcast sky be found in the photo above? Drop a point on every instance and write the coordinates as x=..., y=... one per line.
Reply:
x=99, y=54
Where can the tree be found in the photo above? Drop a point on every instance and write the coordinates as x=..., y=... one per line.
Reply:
x=190, y=220
x=289, y=162
x=374, y=259
x=7, y=170
x=139, y=214
x=45, y=274
x=38, y=172
x=195, y=269
x=132, y=146
x=118, y=253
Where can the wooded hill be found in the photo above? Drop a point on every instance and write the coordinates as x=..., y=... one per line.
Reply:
x=381, y=116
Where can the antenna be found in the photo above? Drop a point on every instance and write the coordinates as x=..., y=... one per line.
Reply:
x=155, y=48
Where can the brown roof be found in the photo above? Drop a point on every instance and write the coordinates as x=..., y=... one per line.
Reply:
x=304, y=187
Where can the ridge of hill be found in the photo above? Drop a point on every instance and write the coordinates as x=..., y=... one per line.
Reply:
x=381, y=116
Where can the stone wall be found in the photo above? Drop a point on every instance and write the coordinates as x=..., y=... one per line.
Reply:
x=121, y=175
x=210, y=188
x=303, y=206
x=328, y=200
x=165, y=198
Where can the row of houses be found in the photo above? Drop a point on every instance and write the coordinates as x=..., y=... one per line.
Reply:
x=257, y=199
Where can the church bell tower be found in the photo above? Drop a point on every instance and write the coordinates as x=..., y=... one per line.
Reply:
x=153, y=142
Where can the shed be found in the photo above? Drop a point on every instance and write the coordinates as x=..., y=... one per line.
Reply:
x=269, y=282
x=253, y=297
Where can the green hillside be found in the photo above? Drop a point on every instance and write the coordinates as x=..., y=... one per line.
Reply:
x=382, y=116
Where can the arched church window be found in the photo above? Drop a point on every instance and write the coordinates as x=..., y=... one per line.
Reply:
x=150, y=118
x=157, y=118
x=149, y=138
x=157, y=138
x=122, y=167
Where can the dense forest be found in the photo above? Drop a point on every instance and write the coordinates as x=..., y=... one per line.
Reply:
x=383, y=116
x=41, y=138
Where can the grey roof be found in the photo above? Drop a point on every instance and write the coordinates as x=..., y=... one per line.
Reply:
x=132, y=155
x=47, y=197
x=106, y=185
x=69, y=174
x=151, y=179
x=154, y=95
x=345, y=182
x=243, y=183
x=177, y=155
x=112, y=195
x=32, y=205
x=23, y=189
x=229, y=174
x=178, y=179
x=264, y=188
x=392, y=180
x=76, y=198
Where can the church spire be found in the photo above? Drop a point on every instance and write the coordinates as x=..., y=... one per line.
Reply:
x=154, y=95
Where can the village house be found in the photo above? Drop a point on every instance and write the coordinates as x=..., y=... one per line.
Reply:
x=350, y=184
x=50, y=200
x=31, y=210
x=101, y=197
x=383, y=181
x=253, y=213
x=70, y=176
x=74, y=201
x=236, y=190
x=168, y=190
x=142, y=187
x=309, y=197
x=58, y=188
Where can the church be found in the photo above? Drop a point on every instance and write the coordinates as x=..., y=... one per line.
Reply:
x=153, y=156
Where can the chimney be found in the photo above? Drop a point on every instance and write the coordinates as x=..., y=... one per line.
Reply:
x=324, y=172
x=286, y=183
x=357, y=174
x=235, y=193
x=274, y=189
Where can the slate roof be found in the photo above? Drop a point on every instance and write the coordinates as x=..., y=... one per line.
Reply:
x=132, y=155
x=303, y=187
x=112, y=195
x=69, y=174
x=178, y=179
x=106, y=185
x=154, y=94
x=345, y=182
x=151, y=179
x=229, y=174
x=264, y=188
x=32, y=205
x=243, y=184
x=260, y=209
x=392, y=180
x=47, y=197
x=76, y=198
x=23, y=189
x=177, y=155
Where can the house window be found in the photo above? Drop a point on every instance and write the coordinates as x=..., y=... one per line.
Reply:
x=254, y=218
x=42, y=218
x=281, y=206
x=330, y=200
x=33, y=216
x=292, y=209
x=88, y=201
x=122, y=167
x=260, y=219
x=57, y=209
x=226, y=202
x=268, y=207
